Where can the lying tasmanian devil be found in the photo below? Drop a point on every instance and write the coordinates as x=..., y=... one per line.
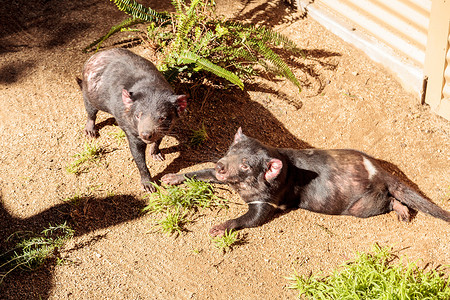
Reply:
x=335, y=182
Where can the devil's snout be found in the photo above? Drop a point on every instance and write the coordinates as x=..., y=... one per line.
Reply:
x=220, y=167
x=146, y=135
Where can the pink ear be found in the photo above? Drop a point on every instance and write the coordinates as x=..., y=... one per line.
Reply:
x=238, y=136
x=182, y=103
x=126, y=98
x=274, y=169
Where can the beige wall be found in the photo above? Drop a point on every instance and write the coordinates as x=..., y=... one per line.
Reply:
x=437, y=61
x=398, y=34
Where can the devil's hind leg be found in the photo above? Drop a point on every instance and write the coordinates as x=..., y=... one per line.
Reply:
x=400, y=209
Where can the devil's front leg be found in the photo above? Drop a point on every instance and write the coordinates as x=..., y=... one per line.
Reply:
x=203, y=175
x=155, y=152
x=137, y=148
x=259, y=212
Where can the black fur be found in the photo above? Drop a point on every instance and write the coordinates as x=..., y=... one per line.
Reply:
x=335, y=182
x=130, y=88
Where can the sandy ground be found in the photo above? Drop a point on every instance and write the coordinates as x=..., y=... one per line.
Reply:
x=347, y=102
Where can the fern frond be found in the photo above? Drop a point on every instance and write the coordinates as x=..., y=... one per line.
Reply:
x=264, y=33
x=188, y=57
x=200, y=41
x=242, y=53
x=278, y=38
x=204, y=41
x=139, y=11
x=277, y=62
x=113, y=30
x=171, y=74
x=178, y=4
x=187, y=20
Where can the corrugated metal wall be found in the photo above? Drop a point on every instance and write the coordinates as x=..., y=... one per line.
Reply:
x=400, y=24
x=409, y=37
x=446, y=89
x=437, y=59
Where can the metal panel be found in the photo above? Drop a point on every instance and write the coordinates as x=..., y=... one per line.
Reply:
x=446, y=89
x=400, y=24
x=437, y=62
x=391, y=32
x=409, y=37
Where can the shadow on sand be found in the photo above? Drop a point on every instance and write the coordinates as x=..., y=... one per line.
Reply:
x=86, y=215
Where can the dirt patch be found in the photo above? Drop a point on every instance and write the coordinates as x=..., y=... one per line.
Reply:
x=347, y=101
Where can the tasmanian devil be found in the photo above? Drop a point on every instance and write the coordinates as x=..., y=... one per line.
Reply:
x=335, y=182
x=130, y=88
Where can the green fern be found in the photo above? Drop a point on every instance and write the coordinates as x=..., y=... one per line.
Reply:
x=185, y=22
x=278, y=62
x=178, y=5
x=203, y=41
x=127, y=23
x=139, y=11
x=266, y=34
x=187, y=57
x=198, y=41
x=257, y=39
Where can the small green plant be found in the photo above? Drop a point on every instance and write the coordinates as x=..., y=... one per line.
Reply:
x=91, y=153
x=179, y=203
x=74, y=200
x=196, y=251
x=226, y=242
x=374, y=276
x=118, y=135
x=331, y=233
x=32, y=250
x=173, y=222
x=193, y=40
x=447, y=196
x=199, y=136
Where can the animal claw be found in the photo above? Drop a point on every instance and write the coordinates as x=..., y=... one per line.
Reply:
x=172, y=179
x=91, y=133
x=218, y=230
x=148, y=187
x=158, y=157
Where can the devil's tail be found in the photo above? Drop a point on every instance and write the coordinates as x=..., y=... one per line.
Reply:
x=414, y=200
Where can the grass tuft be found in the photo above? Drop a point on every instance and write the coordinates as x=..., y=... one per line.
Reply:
x=199, y=136
x=119, y=135
x=180, y=203
x=74, y=200
x=91, y=153
x=229, y=239
x=375, y=276
x=173, y=222
x=32, y=250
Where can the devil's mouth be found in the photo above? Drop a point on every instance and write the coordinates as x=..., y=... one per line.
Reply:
x=220, y=177
x=149, y=141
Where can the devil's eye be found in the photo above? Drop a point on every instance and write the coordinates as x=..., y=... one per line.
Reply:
x=137, y=116
x=244, y=167
x=162, y=119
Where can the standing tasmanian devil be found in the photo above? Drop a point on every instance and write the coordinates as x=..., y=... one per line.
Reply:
x=335, y=182
x=130, y=88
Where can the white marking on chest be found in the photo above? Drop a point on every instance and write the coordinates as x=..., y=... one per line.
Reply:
x=369, y=167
